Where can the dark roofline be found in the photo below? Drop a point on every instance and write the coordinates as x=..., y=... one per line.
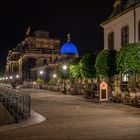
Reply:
x=122, y=13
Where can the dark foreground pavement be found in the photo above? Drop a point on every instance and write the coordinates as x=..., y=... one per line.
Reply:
x=71, y=117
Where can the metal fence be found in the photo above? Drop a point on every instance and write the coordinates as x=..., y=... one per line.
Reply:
x=17, y=104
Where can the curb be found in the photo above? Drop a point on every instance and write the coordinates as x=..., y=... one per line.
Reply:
x=35, y=118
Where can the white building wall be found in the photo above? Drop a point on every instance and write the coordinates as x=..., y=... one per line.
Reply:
x=116, y=25
x=137, y=21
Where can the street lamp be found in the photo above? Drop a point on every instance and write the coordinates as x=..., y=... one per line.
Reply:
x=40, y=80
x=6, y=79
x=11, y=77
x=65, y=68
x=41, y=72
x=54, y=76
x=17, y=76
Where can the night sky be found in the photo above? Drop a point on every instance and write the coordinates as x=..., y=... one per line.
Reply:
x=58, y=17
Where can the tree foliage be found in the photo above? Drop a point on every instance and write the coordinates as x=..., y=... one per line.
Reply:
x=40, y=81
x=87, y=66
x=74, y=67
x=106, y=63
x=128, y=59
x=62, y=74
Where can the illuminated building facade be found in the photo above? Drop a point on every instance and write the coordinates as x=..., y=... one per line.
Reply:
x=123, y=26
x=36, y=53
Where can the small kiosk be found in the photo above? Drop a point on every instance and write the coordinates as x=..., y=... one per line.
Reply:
x=103, y=91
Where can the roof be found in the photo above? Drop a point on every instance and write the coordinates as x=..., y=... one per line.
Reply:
x=126, y=6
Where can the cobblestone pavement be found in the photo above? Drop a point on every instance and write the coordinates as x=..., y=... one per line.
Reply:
x=73, y=118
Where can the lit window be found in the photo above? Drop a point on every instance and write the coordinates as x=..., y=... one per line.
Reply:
x=125, y=77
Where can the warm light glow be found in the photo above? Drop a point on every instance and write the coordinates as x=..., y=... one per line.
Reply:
x=11, y=77
x=41, y=72
x=17, y=76
x=0, y=79
x=65, y=67
x=3, y=78
x=6, y=78
x=54, y=76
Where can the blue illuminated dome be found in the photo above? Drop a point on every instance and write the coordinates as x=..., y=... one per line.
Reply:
x=69, y=48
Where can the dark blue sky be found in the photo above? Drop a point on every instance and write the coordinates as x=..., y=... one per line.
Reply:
x=58, y=17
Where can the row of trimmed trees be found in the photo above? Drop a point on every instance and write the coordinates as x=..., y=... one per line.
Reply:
x=105, y=64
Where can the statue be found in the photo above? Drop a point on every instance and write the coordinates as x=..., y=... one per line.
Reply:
x=28, y=31
x=68, y=35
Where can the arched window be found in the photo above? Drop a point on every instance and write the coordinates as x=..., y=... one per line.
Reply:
x=125, y=35
x=139, y=31
x=111, y=40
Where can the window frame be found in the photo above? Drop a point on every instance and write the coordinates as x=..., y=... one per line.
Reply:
x=139, y=31
x=111, y=40
x=124, y=35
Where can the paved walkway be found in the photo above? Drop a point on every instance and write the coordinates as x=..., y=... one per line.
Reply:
x=71, y=117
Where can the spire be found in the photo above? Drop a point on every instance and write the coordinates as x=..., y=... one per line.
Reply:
x=28, y=31
x=68, y=35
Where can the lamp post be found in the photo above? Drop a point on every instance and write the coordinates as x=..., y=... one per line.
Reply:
x=41, y=72
x=17, y=76
x=6, y=79
x=65, y=68
x=54, y=75
x=11, y=77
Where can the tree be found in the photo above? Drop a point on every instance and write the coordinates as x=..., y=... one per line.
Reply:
x=106, y=63
x=40, y=82
x=62, y=74
x=74, y=67
x=128, y=61
x=87, y=66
